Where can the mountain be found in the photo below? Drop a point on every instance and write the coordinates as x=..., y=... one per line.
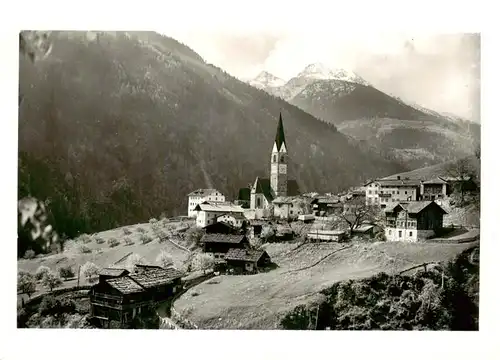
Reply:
x=386, y=124
x=266, y=80
x=118, y=127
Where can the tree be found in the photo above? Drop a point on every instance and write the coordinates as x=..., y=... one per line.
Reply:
x=460, y=172
x=90, y=270
x=51, y=280
x=29, y=254
x=165, y=259
x=203, y=261
x=355, y=212
x=66, y=272
x=26, y=283
x=41, y=271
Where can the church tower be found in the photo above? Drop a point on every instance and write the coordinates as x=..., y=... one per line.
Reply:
x=279, y=162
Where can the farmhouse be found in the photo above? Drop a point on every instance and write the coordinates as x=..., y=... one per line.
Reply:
x=326, y=205
x=412, y=221
x=219, y=244
x=201, y=195
x=120, y=296
x=208, y=212
x=327, y=235
x=234, y=219
x=247, y=260
x=221, y=228
x=436, y=188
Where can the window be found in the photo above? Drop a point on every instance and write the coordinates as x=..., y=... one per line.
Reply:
x=411, y=233
x=274, y=158
x=291, y=212
x=369, y=192
x=400, y=233
x=393, y=192
x=398, y=192
x=282, y=159
x=258, y=202
x=406, y=192
x=390, y=232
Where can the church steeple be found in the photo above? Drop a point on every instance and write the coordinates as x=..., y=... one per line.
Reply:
x=279, y=162
x=280, y=134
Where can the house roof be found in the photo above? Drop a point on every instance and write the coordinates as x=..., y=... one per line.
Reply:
x=280, y=134
x=125, y=285
x=222, y=207
x=220, y=224
x=202, y=192
x=326, y=200
x=237, y=216
x=113, y=272
x=156, y=276
x=436, y=180
x=283, y=200
x=401, y=182
x=244, y=254
x=222, y=238
x=363, y=228
x=413, y=207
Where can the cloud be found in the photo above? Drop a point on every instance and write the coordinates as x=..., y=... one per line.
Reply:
x=437, y=71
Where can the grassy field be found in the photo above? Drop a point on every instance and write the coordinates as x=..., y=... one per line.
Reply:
x=103, y=255
x=259, y=301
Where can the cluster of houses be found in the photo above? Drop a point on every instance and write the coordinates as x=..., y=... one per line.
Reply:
x=415, y=203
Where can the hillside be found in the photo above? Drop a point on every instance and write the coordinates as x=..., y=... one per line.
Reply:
x=385, y=124
x=126, y=124
x=260, y=301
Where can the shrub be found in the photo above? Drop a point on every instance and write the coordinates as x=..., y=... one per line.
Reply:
x=51, y=280
x=66, y=272
x=90, y=270
x=126, y=231
x=55, y=307
x=41, y=271
x=194, y=235
x=164, y=259
x=84, y=238
x=84, y=249
x=112, y=242
x=128, y=241
x=29, y=254
x=99, y=240
x=145, y=239
x=153, y=221
x=26, y=283
x=203, y=261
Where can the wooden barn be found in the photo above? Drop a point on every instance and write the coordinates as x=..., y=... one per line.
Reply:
x=246, y=260
x=221, y=243
x=221, y=228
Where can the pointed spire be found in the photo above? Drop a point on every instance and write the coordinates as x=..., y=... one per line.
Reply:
x=280, y=134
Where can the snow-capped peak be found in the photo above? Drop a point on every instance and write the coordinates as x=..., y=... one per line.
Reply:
x=266, y=79
x=322, y=72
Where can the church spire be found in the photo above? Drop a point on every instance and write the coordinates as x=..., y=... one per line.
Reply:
x=280, y=134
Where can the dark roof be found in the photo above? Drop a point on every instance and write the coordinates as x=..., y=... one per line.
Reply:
x=220, y=224
x=244, y=254
x=292, y=188
x=113, y=272
x=437, y=180
x=237, y=216
x=125, y=285
x=156, y=276
x=413, y=207
x=244, y=194
x=280, y=134
x=263, y=186
x=202, y=192
x=147, y=267
x=222, y=238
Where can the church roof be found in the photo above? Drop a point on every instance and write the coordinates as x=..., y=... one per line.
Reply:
x=263, y=186
x=280, y=134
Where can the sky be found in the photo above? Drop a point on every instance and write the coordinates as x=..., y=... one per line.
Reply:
x=438, y=71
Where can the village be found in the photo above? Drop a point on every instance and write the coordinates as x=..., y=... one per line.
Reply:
x=392, y=209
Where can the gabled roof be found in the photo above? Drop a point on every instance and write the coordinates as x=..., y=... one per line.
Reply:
x=156, y=276
x=219, y=224
x=326, y=200
x=263, y=186
x=414, y=207
x=396, y=182
x=113, y=272
x=222, y=207
x=125, y=285
x=203, y=192
x=436, y=180
x=244, y=255
x=280, y=134
x=222, y=238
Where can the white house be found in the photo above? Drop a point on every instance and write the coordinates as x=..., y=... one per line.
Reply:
x=198, y=196
x=388, y=192
x=233, y=219
x=289, y=207
x=413, y=220
x=208, y=212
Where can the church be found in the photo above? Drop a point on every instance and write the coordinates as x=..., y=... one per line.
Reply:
x=265, y=190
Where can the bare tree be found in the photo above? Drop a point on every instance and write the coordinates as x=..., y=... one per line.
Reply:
x=460, y=172
x=355, y=212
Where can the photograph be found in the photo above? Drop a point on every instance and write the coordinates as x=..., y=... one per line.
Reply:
x=259, y=180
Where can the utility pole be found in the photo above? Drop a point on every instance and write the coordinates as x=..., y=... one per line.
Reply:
x=78, y=277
